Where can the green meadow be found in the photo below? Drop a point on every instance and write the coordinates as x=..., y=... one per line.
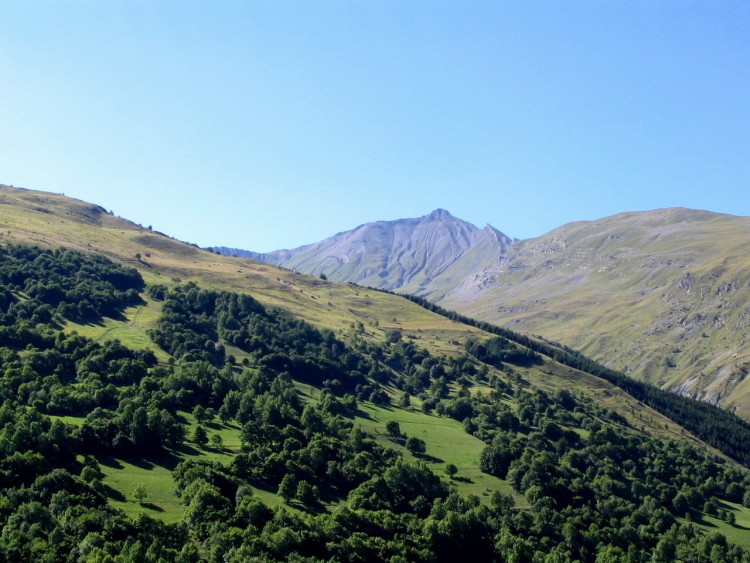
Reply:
x=735, y=533
x=446, y=442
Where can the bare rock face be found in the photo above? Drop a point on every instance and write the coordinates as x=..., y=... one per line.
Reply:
x=404, y=255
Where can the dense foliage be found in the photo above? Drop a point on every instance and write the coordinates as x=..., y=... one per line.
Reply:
x=592, y=487
x=64, y=282
x=497, y=351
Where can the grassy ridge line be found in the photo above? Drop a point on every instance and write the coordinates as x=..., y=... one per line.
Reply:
x=719, y=428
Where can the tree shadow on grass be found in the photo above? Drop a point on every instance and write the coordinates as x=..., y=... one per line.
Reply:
x=260, y=485
x=113, y=494
x=316, y=508
x=730, y=508
x=152, y=506
x=429, y=458
x=330, y=495
x=98, y=322
x=109, y=461
x=726, y=506
x=362, y=414
x=700, y=519
x=168, y=460
x=186, y=450
x=140, y=462
x=461, y=479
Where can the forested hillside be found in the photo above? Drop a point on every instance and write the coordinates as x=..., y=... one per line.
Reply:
x=586, y=484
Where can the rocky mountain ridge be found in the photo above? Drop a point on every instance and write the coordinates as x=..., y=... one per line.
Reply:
x=404, y=255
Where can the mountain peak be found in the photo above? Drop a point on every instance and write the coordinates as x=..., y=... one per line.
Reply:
x=440, y=213
x=405, y=254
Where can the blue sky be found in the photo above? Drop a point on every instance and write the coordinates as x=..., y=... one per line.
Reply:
x=265, y=125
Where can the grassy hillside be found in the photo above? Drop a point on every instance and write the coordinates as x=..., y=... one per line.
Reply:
x=51, y=220
x=447, y=443
x=660, y=295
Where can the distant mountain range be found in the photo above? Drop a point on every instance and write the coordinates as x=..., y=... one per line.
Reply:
x=663, y=295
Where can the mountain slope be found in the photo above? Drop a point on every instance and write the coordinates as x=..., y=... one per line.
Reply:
x=406, y=255
x=661, y=295
x=52, y=220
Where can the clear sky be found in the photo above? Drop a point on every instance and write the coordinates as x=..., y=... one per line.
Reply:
x=266, y=125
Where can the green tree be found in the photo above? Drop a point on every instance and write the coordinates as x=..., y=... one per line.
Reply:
x=200, y=436
x=392, y=335
x=139, y=493
x=217, y=441
x=451, y=470
x=306, y=493
x=199, y=413
x=416, y=446
x=393, y=429
x=288, y=487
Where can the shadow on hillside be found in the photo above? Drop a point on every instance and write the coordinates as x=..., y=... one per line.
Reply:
x=260, y=485
x=362, y=414
x=119, y=317
x=169, y=459
x=330, y=494
x=91, y=322
x=166, y=459
x=726, y=506
x=109, y=461
x=700, y=519
x=140, y=462
x=461, y=479
x=186, y=450
x=216, y=426
x=429, y=458
x=152, y=506
x=316, y=508
x=113, y=494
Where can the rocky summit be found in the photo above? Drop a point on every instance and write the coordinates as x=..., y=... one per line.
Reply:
x=406, y=255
